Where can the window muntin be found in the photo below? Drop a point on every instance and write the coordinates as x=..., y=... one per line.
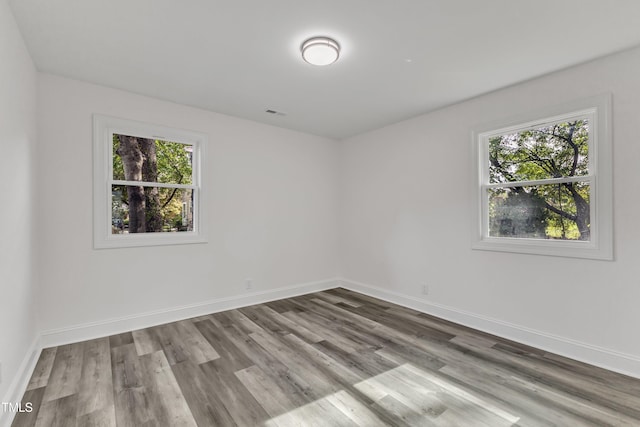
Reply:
x=538, y=183
x=146, y=184
x=539, y=194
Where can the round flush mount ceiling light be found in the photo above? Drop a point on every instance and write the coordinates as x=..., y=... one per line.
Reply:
x=320, y=51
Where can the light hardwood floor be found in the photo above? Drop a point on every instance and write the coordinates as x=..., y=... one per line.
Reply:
x=334, y=358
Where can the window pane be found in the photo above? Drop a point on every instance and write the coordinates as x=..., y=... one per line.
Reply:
x=559, y=211
x=141, y=159
x=553, y=151
x=150, y=209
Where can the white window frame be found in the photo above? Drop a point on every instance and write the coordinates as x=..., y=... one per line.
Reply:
x=104, y=127
x=598, y=111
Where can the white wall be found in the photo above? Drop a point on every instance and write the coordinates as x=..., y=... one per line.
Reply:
x=270, y=211
x=17, y=143
x=405, y=219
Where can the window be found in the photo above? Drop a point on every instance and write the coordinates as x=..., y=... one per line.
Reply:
x=544, y=183
x=147, y=184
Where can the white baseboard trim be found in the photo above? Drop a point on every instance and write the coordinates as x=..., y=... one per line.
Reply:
x=87, y=331
x=20, y=381
x=612, y=360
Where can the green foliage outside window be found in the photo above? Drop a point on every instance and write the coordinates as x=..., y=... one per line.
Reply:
x=158, y=209
x=551, y=211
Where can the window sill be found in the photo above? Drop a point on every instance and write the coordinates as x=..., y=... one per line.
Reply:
x=142, y=240
x=556, y=248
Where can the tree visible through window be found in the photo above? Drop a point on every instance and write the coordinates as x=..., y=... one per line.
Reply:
x=146, y=193
x=544, y=182
x=540, y=182
x=147, y=184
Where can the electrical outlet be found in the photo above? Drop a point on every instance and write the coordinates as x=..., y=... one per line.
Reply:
x=425, y=289
x=248, y=284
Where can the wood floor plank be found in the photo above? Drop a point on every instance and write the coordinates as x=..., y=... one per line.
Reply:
x=96, y=383
x=348, y=326
x=263, y=323
x=430, y=321
x=242, y=322
x=229, y=354
x=291, y=326
x=28, y=419
x=403, y=415
x=345, y=375
x=58, y=413
x=614, y=380
x=381, y=334
x=131, y=399
x=500, y=391
x=354, y=409
x=272, y=398
x=296, y=363
x=534, y=411
x=475, y=340
x=42, y=371
x=420, y=398
x=330, y=358
x=66, y=371
x=334, y=299
x=200, y=318
x=365, y=363
x=201, y=394
x=458, y=393
x=330, y=367
x=201, y=350
x=361, y=299
x=170, y=341
x=409, y=354
x=389, y=338
x=165, y=398
x=406, y=326
x=105, y=417
x=564, y=381
x=181, y=341
x=592, y=411
x=295, y=387
x=320, y=413
x=535, y=403
x=243, y=407
x=323, y=331
x=280, y=306
x=120, y=339
x=146, y=341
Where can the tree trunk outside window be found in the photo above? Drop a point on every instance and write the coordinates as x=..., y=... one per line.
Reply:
x=140, y=164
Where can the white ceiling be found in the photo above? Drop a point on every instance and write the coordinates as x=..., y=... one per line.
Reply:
x=400, y=58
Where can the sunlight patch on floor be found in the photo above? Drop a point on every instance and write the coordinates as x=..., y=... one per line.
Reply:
x=417, y=395
x=407, y=392
x=337, y=409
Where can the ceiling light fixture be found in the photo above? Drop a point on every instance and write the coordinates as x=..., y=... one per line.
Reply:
x=320, y=51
